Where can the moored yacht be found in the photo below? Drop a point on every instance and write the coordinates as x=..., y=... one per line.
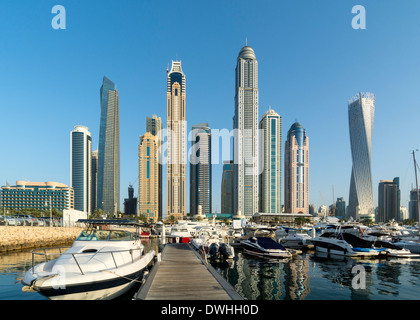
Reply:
x=265, y=247
x=103, y=263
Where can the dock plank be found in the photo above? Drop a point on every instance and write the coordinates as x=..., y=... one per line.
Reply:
x=183, y=275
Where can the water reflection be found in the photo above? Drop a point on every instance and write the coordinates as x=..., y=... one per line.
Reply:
x=308, y=276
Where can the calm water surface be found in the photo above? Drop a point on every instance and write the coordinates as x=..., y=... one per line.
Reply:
x=306, y=277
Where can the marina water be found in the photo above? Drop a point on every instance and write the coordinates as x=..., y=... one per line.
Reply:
x=305, y=277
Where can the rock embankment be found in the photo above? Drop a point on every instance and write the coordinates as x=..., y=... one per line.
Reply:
x=21, y=238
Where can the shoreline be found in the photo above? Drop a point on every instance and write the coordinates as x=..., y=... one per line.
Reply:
x=19, y=238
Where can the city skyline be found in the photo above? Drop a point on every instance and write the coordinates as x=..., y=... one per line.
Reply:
x=308, y=69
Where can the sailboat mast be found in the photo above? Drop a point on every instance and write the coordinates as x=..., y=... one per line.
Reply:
x=417, y=188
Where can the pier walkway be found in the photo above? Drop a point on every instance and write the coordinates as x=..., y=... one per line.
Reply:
x=182, y=274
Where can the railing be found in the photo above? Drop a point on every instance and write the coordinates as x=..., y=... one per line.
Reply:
x=47, y=255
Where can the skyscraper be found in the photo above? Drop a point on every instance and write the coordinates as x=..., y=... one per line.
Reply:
x=296, y=170
x=200, y=169
x=389, y=200
x=94, y=179
x=177, y=140
x=227, y=188
x=148, y=177
x=361, y=110
x=245, y=125
x=154, y=126
x=108, y=185
x=80, y=169
x=270, y=178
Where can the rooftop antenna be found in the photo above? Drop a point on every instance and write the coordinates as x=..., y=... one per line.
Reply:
x=246, y=41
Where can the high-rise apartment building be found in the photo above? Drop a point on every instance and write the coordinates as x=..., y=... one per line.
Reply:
x=148, y=177
x=361, y=109
x=94, y=179
x=154, y=126
x=108, y=184
x=227, y=188
x=245, y=125
x=271, y=173
x=81, y=167
x=200, y=169
x=296, y=170
x=176, y=141
x=389, y=200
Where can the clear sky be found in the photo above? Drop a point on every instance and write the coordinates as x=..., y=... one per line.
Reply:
x=311, y=62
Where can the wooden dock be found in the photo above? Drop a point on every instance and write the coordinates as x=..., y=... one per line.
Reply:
x=182, y=274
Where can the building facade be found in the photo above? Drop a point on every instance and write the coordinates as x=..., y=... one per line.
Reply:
x=271, y=173
x=227, y=188
x=245, y=125
x=130, y=203
x=361, y=109
x=37, y=195
x=148, y=177
x=296, y=170
x=94, y=180
x=176, y=141
x=81, y=168
x=340, y=207
x=154, y=126
x=413, y=207
x=200, y=169
x=389, y=200
x=108, y=184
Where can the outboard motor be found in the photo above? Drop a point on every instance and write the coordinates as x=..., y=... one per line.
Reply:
x=214, y=250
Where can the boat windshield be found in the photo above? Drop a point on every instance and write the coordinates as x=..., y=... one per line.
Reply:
x=105, y=235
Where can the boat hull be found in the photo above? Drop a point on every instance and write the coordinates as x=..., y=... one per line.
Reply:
x=105, y=284
x=257, y=251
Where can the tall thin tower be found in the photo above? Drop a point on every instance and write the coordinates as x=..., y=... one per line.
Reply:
x=80, y=170
x=108, y=185
x=245, y=125
x=361, y=110
x=177, y=140
x=271, y=175
x=296, y=170
x=200, y=169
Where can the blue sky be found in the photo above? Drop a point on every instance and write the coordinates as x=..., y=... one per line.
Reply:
x=311, y=62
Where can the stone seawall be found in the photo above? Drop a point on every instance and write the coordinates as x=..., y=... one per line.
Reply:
x=22, y=238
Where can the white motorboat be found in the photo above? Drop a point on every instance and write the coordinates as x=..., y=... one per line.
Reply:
x=265, y=247
x=179, y=234
x=103, y=263
x=210, y=242
x=297, y=239
x=345, y=244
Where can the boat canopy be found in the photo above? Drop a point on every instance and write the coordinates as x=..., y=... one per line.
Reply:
x=124, y=222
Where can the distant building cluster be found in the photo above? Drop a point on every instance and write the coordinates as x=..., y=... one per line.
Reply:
x=251, y=185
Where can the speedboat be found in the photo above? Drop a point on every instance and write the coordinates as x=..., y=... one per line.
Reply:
x=297, y=239
x=345, y=244
x=102, y=264
x=210, y=243
x=265, y=247
x=179, y=234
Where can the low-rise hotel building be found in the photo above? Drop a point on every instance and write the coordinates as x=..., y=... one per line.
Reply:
x=37, y=195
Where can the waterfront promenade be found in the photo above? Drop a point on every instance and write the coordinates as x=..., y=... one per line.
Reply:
x=22, y=238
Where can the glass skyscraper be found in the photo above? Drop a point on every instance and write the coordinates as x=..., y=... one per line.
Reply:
x=200, y=169
x=81, y=167
x=227, y=188
x=270, y=178
x=245, y=125
x=361, y=111
x=296, y=170
x=108, y=184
